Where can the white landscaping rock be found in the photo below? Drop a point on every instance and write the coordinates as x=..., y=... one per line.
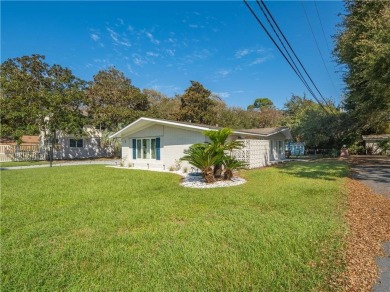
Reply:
x=196, y=181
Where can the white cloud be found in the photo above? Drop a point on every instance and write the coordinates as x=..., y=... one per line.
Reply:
x=121, y=22
x=242, y=53
x=169, y=90
x=170, y=52
x=151, y=38
x=130, y=28
x=203, y=54
x=152, y=54
x=224, y=72
x=130, y=69
x=113, y=34
x=222, y=94
x=261, y=60
x=95, y=37
x=138, y=60
x=193, y=25
x=115, y=37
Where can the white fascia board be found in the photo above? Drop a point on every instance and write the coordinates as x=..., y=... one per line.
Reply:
x=249, y=134
x=161, y=122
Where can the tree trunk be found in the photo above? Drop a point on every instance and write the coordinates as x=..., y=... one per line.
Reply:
x=228, y=174
x=217, y=170
x=208, y=175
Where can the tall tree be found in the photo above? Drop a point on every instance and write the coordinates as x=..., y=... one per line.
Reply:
x=363, y=46
x=310, y=123
x=36, y=96
x=267, y=115
x=162, y=106
x=113, y=100
x=261, y=103
x=196, y=104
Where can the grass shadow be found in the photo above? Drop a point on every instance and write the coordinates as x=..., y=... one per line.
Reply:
x=327, y=169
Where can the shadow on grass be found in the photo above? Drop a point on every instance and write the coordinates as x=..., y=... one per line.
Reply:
x=326, y=170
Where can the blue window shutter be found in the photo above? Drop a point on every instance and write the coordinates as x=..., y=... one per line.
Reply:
x=158, y=149
x=134, y=149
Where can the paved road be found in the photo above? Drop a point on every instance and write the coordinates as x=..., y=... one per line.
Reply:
x=374, y=171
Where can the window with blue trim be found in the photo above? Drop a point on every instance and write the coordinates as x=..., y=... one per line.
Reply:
x=146, y=148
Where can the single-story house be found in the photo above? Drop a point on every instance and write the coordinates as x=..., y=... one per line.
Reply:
x=159, y=144
x=372, y=143
x=72, y=147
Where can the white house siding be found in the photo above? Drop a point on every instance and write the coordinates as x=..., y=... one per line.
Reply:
x=173, y=142
x=91, y=149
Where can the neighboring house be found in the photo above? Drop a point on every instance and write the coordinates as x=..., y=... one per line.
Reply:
x=72, y=147
x=371, y=143
x=159, y=144
x=296, y=148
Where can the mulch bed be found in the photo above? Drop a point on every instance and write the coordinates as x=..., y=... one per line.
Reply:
x=368, y=219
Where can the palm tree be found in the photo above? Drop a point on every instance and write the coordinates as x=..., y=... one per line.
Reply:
x=230, y=164
x=219, y=146
x=199, y=156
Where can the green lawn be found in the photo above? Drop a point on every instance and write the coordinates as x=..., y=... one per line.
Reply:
x=22, y=163
x=97, y=228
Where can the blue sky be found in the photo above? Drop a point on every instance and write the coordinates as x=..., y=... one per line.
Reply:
x=163, y=45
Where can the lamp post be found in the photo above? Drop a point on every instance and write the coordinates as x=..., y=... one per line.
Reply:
x=49, y=140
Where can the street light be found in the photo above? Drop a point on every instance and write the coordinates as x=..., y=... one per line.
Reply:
x=49, y=142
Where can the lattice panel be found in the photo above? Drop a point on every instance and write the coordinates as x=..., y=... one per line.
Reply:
x=254, y=153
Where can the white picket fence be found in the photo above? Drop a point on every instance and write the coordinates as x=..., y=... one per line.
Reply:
x=20, y=153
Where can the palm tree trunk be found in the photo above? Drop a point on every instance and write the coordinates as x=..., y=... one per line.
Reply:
x=208, y=175
x=228, y=174
x=217, y=170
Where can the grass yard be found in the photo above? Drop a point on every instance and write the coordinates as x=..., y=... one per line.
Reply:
x=23, y=163
x=97, y=228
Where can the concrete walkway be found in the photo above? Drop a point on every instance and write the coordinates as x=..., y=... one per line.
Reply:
x=374, y=171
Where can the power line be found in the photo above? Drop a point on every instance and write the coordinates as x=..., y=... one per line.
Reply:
x=272, y=39
x=277, y=35
x=299, y=74
x=322, y=27
x=326, y=41
x=318, y=47
x=292, y=50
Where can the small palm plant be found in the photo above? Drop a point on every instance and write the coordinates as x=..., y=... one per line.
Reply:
x=219, y=146
x=199, y=156
x=230, y=164
x=212, y=157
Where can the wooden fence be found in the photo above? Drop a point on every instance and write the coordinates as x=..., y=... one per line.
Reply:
x=20, y=153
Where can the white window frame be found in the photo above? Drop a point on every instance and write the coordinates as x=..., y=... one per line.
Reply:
x=76, y=143
x=145, y=149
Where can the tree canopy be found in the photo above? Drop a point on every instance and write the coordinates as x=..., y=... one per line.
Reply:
x=196, y=104
x=36, y=96
x=363, y=46
x=113, y=101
